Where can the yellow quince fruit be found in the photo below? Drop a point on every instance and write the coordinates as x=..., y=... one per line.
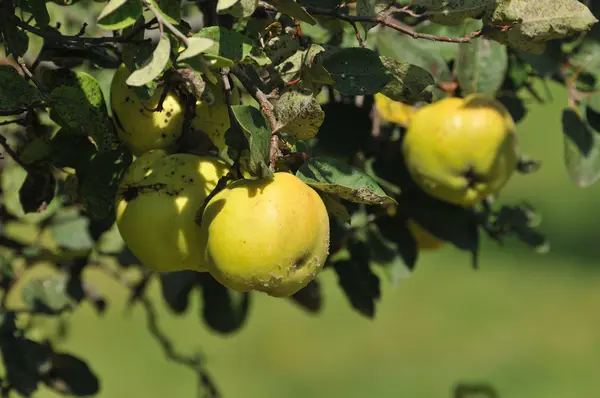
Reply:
x=213, y=119
x=461, y=150
x=138, y=127
x=156, y=207
x=266, y=235
x=394, y=111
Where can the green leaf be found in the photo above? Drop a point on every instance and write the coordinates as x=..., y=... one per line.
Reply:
x=110, y=242
x=15, y=92
x=169, y=9
x=39, y=11
x=71, y=231
x=327, y=4
x=581, y=149
x=78, y=105
x=299, y=114
x=15, y=40
x=237, y=8
x=535, y=22
x=47, y=295
x=119, y=14
x=224, y=310
x=13, y=179
x=135, y=55
x=357, y=71
x=336, y=208
x=38, y=189
x=293, y=9
x=197, y=45
x=69, y=149
x=233, y=46
x=372, y=8
x=71, y=376
x=340, y=179
x=411, y=83
x=309, y=298
x=448, y=51
x=100, y=180
x=481, y=66
x=392, y=246
x=453, y=12
x=258, y=137
x=399, y=46
x=153, y=66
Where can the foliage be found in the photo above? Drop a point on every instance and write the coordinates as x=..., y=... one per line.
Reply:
x=310, y=73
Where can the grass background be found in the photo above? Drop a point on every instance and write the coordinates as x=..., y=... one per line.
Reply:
x=527, y=324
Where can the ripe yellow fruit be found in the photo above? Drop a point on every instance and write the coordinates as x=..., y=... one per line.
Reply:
x=394, y=111
x=266, y=235
x=156, y=207
x=424, y=239
x=461, y=150
x=140, y=129
x=213, y=119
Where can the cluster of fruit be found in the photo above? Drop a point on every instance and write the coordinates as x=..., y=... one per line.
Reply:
x=272, y=235
x=264, y=235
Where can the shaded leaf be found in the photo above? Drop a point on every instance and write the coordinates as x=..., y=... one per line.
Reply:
x=410, y=83
x=453, y=12
x=294, y=10
x=581, y=149
x=299, y=114
x=38, y=190
x=224, y=310
x=237, y=8
x=481, y=66
x=535, y=22
x=15, y=40
x=71, y=231
x=310, y=297
x=448, y=51
x=169, y=9
x=119, y=14
x=39, y=11
x=258, y=137
x=15, y=92
x=335, y=207
x=360, y=285
x=25, y=361
x=393, y=247
x=153, y=66
x=135, y=55
x=71, y=376
x=340, y=179
x=233, y=46
x=110, y=241
x=78, y=105
x=372, y=8
x=357, y=71
x=70, y=149
x=176, y=288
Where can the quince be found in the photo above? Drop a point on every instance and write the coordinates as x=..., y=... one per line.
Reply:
x=393, y=111
x=461, y=150
x=213, y=119
x=266, y=235
x=138, y=127
x=156, y=207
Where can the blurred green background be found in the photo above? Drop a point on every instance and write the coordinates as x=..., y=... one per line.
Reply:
x=527, y=324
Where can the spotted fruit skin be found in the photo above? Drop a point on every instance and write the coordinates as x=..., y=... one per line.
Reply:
x=266, y=235
x=156, y=208
x=460, y=150
x=138, y=127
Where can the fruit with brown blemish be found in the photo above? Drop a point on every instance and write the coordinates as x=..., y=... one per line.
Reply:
x=139, y=127
x=269, y=235
x=156, y=211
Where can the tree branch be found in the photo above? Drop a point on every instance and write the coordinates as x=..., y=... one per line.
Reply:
x=162, y=21
x=267, y=109
x=11, y=153
x=385, y=20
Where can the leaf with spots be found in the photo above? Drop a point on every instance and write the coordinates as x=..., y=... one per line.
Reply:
x=299, y=114
x=481, y=66
x=357, y=71
x=47, y=294
x=452, y=12
x=256, y=140
x=532, y=23
x=411, y=83
x=15, y=92
x=340, y=179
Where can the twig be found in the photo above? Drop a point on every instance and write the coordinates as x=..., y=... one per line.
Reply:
x=162, y=21
x=386, y=21
x=267, y=109
x=15, y=121
x=361, y=42
x=12, y=153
